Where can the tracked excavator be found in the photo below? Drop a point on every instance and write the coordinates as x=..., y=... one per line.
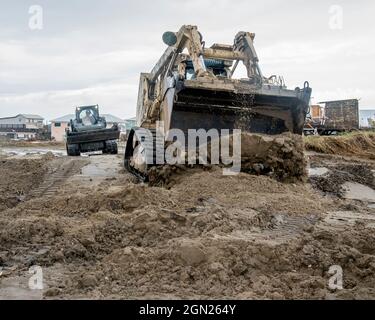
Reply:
x=193, y=87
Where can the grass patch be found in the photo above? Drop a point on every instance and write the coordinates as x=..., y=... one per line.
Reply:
x=360, y=143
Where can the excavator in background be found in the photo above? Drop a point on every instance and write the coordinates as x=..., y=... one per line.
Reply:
x=88, y=132
x=192, y=87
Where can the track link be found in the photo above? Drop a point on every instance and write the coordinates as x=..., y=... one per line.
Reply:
x=148, y=145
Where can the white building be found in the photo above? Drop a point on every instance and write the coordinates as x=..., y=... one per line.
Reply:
x=367, y=118
x=21, y=126
x=130, y=123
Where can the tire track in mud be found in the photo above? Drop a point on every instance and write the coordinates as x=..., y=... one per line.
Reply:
x=341, y=220
x=284, y=228
x=57, y=174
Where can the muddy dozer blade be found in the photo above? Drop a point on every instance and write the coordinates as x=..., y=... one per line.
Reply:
x=258, y=113
x=93, y=136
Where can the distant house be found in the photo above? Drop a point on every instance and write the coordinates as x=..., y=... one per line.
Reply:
x=21, y=126
x=367, y=118
x=130, y=123
x=59, y=125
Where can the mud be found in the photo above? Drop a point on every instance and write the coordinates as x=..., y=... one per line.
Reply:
x=338, y=174
x=31, y=144
x=19, y=177
x=280, y=156
x=104, y=235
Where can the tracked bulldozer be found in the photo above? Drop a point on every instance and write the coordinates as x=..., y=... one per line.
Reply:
x=193, y=87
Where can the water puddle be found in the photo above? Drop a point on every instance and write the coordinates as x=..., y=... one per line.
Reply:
x=103, y=169
x=318, y=171
x=357, y=191
x=99, y=168
x=29, y=151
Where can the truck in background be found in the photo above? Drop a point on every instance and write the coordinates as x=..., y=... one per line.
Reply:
x=332, y=117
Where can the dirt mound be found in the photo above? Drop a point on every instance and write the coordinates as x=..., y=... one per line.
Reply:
x=193, y=236
x=359, y=144
x=207, y=236
x=227, y=266
x=279, y=156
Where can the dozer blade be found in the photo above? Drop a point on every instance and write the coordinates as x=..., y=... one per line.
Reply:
x=93, y=136
x=257, y=113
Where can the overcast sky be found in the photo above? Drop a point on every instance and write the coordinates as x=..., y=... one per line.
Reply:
x=91, y=51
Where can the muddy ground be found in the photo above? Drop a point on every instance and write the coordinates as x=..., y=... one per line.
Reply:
x=97, y=232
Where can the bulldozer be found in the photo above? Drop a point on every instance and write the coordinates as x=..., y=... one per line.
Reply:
x=88, y=132
x=193, y=87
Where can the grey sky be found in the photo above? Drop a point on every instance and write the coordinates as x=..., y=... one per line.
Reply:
x=92, y=52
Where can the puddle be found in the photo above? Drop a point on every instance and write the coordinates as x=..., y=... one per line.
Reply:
x=357, y=191
x=27, y=151
x=318, y=171
x=99, y=168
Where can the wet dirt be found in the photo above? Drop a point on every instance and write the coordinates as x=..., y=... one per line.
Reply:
x=104, y=235
x=340, y=172
x=280, y=157
x=359, y=191
x=17, y=152
x=19, y=177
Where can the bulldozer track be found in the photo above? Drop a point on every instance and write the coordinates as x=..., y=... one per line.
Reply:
x=56, y=176
x=149, y=145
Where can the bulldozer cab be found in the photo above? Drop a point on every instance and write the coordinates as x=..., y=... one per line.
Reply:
x=219, y=68
x=88, y=115
x=88, y=118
